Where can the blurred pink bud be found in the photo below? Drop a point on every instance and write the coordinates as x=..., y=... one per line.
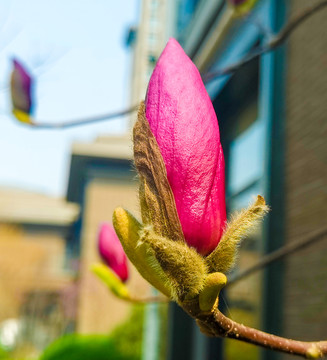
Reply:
x=182, y=119
x=112, y=251
x=237, y=2
x=21, y=88
x=243, y=6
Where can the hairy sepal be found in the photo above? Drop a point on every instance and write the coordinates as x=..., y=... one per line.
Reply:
x=223, y=258
x=157, y=201
x=140, y=254
x=213, y=284
x=185, y=269
x=111, y=280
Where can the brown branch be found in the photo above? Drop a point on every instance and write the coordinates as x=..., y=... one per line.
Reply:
x=275, y=42
x=222, y=326
x=215, y=324
x=279, y=254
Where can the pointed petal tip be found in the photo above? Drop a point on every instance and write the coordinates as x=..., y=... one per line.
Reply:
x=111, y=250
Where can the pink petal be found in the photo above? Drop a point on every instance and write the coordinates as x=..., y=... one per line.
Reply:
x=21, y=88
x=112, y=251
x=182, y=119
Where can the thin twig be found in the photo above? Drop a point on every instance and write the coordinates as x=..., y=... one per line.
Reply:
x=275, y=42
x=279, y=254
x=86, y=121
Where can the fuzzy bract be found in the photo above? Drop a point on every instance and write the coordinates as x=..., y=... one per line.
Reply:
x=184, y=123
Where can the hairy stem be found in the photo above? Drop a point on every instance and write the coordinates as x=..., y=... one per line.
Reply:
x=85, y=121
x=275, y=42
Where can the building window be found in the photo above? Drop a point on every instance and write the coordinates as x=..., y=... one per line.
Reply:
x=154, y=5
x=152, y=59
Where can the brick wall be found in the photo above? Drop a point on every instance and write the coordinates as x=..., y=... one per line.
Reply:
x=305, y=287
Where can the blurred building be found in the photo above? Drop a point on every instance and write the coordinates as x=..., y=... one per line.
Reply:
x=271, y=115
x=34, y=230
x=147, y=40
x=101, y=178
x=48, y=245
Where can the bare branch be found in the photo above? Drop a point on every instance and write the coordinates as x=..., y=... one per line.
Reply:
x=86, y=121
x=280, y=254
x=295, y=22
x=275, y=42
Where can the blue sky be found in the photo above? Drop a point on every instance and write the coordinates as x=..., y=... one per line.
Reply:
x=77, y=53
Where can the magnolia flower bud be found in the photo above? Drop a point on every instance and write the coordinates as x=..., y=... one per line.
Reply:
x=180, y=163
x=21, y=86
x=184, y=123
x=112, y=251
